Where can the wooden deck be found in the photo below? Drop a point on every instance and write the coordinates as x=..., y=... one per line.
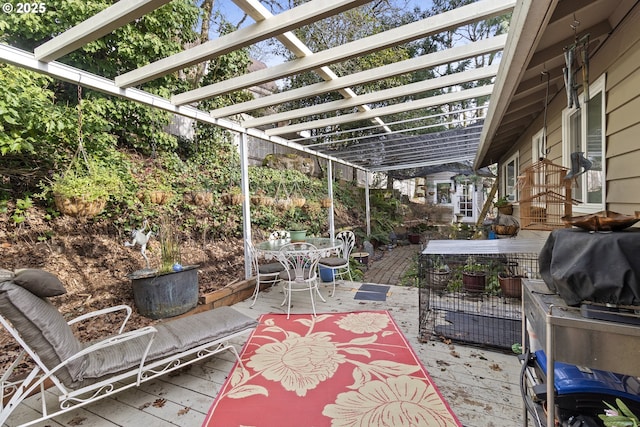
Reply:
x=480, y=385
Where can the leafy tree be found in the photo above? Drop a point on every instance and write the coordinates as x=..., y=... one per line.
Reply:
x=156, y=35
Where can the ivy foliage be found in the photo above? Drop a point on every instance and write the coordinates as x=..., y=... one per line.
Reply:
x=30, y=121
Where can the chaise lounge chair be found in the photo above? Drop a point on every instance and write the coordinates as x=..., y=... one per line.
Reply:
x=83, y=373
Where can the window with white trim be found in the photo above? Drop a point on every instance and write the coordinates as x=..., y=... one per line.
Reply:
x=584, y=142
x=510, y=170
x=538, y=146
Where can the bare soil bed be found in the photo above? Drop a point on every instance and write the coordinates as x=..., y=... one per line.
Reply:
x=90, y=259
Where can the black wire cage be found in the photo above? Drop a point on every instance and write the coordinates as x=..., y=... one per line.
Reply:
x=474, y=296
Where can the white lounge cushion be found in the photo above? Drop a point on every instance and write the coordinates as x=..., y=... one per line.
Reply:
x=173, y=337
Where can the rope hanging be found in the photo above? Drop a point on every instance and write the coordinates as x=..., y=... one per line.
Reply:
x=80, y=150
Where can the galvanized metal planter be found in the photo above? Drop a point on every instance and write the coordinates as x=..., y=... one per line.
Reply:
x=160, y=295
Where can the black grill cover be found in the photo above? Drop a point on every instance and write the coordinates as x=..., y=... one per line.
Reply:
x=598, y=267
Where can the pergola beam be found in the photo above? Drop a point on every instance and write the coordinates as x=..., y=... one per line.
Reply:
x=435, y=162
x=406, y=33
x=457, y=53
x=408, y=90
x=243, y=37
x=259, y=13
x=426, y=147
x=384, y=111
x=100, y=24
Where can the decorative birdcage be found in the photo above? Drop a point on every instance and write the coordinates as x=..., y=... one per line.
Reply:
x=545, y=196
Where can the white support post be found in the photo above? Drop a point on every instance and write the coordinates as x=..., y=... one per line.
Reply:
x=246, y=206
x=332, y=231
x=367, y=204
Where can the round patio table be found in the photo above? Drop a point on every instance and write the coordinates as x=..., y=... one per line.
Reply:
x=324, y=246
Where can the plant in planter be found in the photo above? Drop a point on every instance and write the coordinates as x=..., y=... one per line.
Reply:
x=504, y=206
x=325, y=202
x=438, y=275
x=84, y=191
x=474, y=276
x=154, y=185
x=260, y=198
x=170, y=259
x=297, y=231
x=171, y=289
x=510, y=281
x=234, y=196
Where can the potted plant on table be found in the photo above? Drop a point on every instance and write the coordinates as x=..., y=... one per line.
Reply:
x=297, y=231
x=474, y=276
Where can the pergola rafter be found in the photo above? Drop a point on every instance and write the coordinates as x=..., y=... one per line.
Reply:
x=408, y=97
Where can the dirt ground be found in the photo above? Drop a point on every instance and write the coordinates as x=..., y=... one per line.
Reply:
x=92, y=262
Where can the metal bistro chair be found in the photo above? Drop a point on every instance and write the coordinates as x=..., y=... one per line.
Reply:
x=265, y=273
x=300, y=261
x=339, y=264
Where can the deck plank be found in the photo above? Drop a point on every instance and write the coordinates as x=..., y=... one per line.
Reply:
x=480, y=385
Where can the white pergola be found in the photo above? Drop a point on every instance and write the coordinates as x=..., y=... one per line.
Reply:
x=390, y=144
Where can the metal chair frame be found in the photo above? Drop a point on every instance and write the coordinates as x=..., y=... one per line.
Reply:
x=264, y=273
x=300, y=261
x=344, y=252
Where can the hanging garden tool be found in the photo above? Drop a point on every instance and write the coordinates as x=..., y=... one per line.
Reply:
x=579, y=165
x=579, y=162
x=571, y=53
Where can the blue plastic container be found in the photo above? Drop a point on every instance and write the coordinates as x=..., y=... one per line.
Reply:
x=326, y=274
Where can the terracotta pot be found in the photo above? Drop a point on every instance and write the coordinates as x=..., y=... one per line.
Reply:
x=474, y=282
x=511, y=286
x=505, y=210
x=413, y=238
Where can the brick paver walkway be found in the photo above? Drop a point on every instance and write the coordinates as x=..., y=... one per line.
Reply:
x=388, y=267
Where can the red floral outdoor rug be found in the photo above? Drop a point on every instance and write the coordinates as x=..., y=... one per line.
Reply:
x=340, y=369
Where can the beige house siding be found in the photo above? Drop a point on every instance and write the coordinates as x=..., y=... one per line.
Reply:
x=623, y=123
x=619, y=59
